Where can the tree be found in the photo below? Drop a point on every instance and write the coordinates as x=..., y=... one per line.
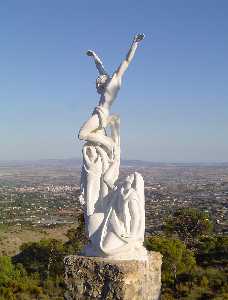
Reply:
x=15, y=283
x=212, y=251
x=177, y=259
x=44, y=257
x=77, y=238
x=188, y=224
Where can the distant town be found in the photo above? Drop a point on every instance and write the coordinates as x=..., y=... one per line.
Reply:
x=45, y=193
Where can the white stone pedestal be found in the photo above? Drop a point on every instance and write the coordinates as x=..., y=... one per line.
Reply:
x=91, y=278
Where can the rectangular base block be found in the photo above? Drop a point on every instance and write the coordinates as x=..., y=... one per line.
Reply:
x=99, y=278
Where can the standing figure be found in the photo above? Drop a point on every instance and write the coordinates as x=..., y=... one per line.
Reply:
x=108, y=87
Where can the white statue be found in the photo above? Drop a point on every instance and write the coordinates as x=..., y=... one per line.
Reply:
x=115, y=214
x=107, y=87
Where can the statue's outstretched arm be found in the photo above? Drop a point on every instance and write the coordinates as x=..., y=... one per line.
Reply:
x=98, y=62
x=124, y=65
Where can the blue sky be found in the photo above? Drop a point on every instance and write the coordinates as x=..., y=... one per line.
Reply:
x=174, y=99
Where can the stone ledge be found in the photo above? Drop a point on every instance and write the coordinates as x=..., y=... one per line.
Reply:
x=101, y=278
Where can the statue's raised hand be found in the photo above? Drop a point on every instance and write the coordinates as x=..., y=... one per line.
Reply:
x=139, y=37
x=90, y=53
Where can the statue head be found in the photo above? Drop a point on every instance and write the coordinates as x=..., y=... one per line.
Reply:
x=128, y=182
x=101, y=83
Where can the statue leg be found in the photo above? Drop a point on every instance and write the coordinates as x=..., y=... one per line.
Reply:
x=91, y=132
x=114, y=122
x=112, y=174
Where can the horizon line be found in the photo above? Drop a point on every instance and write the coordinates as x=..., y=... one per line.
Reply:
x=124, y=159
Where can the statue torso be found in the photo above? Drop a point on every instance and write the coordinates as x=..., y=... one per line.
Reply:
x=111, y=91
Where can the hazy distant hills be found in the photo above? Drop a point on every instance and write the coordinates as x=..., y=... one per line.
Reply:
x=76, y=162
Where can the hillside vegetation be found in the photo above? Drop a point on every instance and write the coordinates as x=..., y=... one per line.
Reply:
x=195, y=261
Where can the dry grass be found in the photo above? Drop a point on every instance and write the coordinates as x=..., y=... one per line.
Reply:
x=12, y=237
